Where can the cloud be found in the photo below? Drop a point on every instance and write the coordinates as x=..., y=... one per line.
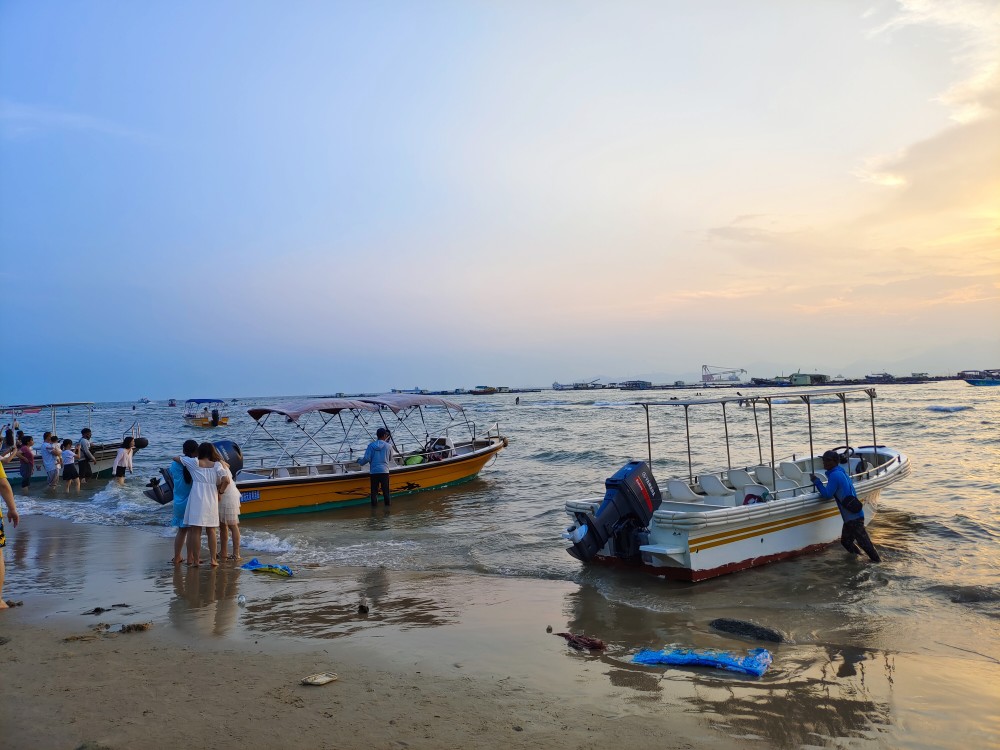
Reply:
x=19, y=120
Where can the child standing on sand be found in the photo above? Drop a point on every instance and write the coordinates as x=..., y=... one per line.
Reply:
x=229, y=515
x=69, y=456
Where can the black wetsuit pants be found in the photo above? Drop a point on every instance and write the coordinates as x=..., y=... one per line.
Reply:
x=381, y=481
x=854, y=536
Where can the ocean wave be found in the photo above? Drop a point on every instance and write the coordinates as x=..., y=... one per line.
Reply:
x=947, y=409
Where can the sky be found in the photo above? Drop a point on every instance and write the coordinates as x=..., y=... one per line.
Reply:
x=248, y=198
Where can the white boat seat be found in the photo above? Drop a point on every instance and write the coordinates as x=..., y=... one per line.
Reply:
x=680, y=490
x=765, y=475
x=794, y=472
x=243, y=475
x=713, y=486
x=280, y=473
x=739, y=478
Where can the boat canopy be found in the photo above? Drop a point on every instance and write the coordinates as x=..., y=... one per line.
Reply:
x=753, y=397
x=399, y=401
x=24, y=407
x=204, y=401
x=295, y=409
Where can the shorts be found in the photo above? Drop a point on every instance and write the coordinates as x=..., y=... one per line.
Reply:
x=53, y=475
x=85, y=471
x=70, y=472
x=120, y=471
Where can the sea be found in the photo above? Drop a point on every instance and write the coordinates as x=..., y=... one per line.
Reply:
x=935, y=597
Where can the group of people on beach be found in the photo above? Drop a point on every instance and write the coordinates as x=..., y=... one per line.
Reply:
x=61, y=459
x=205, y=499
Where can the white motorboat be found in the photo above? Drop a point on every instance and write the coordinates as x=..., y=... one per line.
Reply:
x=730, y=519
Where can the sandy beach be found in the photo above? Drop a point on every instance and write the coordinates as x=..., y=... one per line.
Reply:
x=438, y=661
x=458, y=667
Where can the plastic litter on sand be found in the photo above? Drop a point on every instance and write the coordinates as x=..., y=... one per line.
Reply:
x=754, y=663
x=321, y=678
x=257, y=566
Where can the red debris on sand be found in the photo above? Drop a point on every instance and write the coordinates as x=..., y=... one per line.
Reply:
x=582, y=642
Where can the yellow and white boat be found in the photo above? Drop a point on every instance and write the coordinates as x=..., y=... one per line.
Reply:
x=205, y=412
x=318, y=441
x=728, y=520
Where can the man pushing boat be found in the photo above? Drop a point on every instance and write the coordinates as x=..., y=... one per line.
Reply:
x=839, y=487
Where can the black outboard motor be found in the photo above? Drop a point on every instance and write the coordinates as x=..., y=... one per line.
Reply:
x=161, y=492
x=231, y=454
x=632, y=496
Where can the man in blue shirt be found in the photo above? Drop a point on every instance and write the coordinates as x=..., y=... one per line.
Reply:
x=839, y=487
x=379, y=455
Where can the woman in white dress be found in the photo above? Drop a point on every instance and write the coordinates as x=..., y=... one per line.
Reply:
x=209, y=479
x=229, y=515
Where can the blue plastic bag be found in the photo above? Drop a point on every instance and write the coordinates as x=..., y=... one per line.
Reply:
x=258, y=567
x=754, y=663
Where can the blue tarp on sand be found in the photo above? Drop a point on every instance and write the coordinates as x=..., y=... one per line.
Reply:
x=754, y=663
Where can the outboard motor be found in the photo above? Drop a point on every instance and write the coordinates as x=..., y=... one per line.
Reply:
x=140, y=443
x=231, y=454
x=632, y=496
x=215, y=417
x=161, y=492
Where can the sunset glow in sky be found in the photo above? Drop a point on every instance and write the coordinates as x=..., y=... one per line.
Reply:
x=237, y=198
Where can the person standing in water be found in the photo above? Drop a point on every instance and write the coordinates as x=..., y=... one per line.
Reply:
x=182, y=488
x=86, y=456
x=839, y=487
x=378, y=454
x=123, y=460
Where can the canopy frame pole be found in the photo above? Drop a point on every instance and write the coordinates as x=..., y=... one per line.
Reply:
x=687, y=430
x=871, y=403
x=725, y=424
x=843, y=401
x=812, y=451
x=649, y=441
x=770, y=428
x=756, y=426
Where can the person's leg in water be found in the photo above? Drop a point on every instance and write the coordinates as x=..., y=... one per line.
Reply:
x=384, y=482
x=182, y=534
x=213, y=539
x=194, y=545
x=373, y=484
x=234, y=532
x=223, y=540
x=847, y=538
x=860, y=536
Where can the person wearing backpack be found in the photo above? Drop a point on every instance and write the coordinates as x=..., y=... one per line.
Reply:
x=839, y=487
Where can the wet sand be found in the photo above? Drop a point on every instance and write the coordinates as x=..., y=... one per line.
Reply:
x=439, y=661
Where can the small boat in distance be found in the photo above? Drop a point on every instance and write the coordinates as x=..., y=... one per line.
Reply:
x=317, y=443
x=731, y=518
x=172, y=402
x=144, y=400
x=205, y=412
x=483, y=390
x=981, y=377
